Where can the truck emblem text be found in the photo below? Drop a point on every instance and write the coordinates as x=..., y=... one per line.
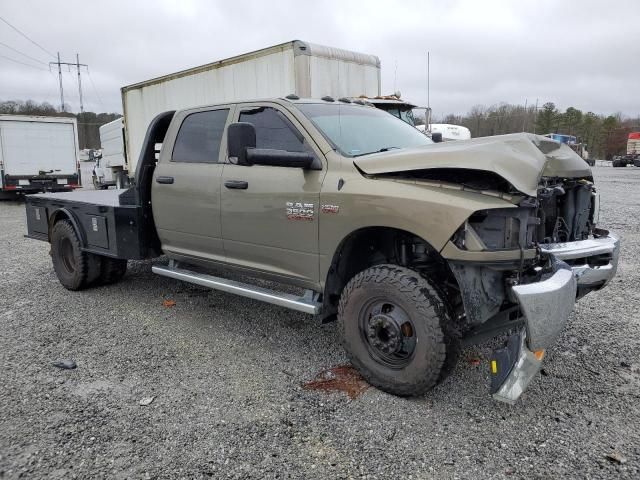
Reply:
x=330, y=208
x=299, y=211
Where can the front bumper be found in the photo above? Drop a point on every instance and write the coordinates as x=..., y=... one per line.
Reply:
x=578, y=267
x=594, y=261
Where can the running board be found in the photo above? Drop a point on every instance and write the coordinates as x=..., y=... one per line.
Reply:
x=307, y=304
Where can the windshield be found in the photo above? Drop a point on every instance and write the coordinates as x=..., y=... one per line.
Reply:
x=356, y=130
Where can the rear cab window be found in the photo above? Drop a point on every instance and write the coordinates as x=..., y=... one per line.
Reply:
x=200, y=136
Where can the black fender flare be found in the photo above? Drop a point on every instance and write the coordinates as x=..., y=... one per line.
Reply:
x=66, y=214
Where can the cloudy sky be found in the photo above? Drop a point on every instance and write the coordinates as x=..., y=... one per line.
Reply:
x=575, y=53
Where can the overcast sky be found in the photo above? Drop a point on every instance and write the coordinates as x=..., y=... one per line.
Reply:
x=575, y=53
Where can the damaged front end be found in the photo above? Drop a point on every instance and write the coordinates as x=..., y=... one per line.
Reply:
x=523, y=268
x=520, y=267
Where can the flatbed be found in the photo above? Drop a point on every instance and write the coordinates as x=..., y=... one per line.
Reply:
x=111, y=221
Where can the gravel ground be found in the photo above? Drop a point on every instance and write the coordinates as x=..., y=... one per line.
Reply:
x=226, y=375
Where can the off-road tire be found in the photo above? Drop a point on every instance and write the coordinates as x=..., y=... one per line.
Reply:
x=112, y=270
x=74, y=268
x=435, y=352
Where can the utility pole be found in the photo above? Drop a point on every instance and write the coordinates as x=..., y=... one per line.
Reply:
x=77, y=64
x=79, y=82
x=61, y=89
x=428, y=97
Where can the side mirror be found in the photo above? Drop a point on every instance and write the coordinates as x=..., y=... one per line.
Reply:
x=436, y=137
x=240, y=137
x=282, y=158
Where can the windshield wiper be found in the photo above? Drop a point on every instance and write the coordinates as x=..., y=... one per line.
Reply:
x=384, y=149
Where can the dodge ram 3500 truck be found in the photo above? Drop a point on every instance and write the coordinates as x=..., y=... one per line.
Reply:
x=414, y=247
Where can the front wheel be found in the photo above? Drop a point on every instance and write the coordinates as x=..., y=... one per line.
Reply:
x=394, y=325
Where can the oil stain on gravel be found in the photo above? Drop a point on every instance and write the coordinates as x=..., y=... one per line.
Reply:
x=343, y=378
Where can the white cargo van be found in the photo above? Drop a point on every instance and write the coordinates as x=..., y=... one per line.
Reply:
x=110, y=166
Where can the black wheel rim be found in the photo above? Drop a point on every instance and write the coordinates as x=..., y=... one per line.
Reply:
x=388, y=332
x=66, y=252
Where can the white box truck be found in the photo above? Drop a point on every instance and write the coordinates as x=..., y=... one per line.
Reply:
x=110, y=166
x=38, y=154
x=295, y=67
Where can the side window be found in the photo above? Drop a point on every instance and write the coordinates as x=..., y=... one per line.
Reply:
x=274, y=130
x=199, y=137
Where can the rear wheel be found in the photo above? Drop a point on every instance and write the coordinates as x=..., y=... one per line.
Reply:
x=394, y=325
x=74, y=268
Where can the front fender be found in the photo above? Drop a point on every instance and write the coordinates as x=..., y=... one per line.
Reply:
x=430, y=212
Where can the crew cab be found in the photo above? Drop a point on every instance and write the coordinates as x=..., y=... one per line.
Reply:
x=415, y=248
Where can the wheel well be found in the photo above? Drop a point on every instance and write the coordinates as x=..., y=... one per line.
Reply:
x=63, y=214
x=371, y=246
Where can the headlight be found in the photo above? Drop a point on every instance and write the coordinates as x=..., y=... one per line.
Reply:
x=498, y=229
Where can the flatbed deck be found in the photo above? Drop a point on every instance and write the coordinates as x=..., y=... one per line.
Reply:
x=109, y=198
x=111, y=223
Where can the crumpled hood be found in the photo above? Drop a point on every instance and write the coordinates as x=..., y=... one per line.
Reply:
x=520, y=158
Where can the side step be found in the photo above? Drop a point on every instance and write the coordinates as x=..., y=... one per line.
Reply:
x=307, y=304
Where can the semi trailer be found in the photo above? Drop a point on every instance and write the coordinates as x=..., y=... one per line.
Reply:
x=632, y=156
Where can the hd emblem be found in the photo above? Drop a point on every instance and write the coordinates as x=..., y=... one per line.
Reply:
x=330, y=208
x=299, y=211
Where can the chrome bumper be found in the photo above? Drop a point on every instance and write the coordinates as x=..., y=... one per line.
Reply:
x=546, y=306
x=594, y=262
x=579, y=267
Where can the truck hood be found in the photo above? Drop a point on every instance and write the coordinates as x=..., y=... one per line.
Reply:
x=521, y=159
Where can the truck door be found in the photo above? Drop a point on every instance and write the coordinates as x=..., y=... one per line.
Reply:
x=186, y=185
x=270, y=214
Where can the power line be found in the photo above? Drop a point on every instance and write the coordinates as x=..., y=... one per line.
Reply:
x=22, y=53
x=96, y=90
x=23, y=63
x=32, y=41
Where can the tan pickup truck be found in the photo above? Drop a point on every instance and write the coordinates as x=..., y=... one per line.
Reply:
x=415, y=248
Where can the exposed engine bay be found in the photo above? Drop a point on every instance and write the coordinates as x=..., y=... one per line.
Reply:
x=565, y=211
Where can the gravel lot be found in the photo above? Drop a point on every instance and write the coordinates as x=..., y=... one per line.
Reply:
x=227, y=378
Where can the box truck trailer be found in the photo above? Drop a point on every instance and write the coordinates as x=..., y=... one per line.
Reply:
x=38, y=154
x=296, y=67
x=110, y=166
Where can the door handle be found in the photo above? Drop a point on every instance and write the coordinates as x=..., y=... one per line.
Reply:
x=165, y=180
x=236, y=184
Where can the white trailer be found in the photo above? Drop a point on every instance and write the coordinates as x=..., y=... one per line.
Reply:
x=110, y=166
x=295, y=67
x=451, y=132
x=38, y=154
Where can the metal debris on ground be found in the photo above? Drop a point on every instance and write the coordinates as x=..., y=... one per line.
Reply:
x=169, y=303
x=343, y=378
x=144, y=401
x=615, y=457
x=65, y=364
